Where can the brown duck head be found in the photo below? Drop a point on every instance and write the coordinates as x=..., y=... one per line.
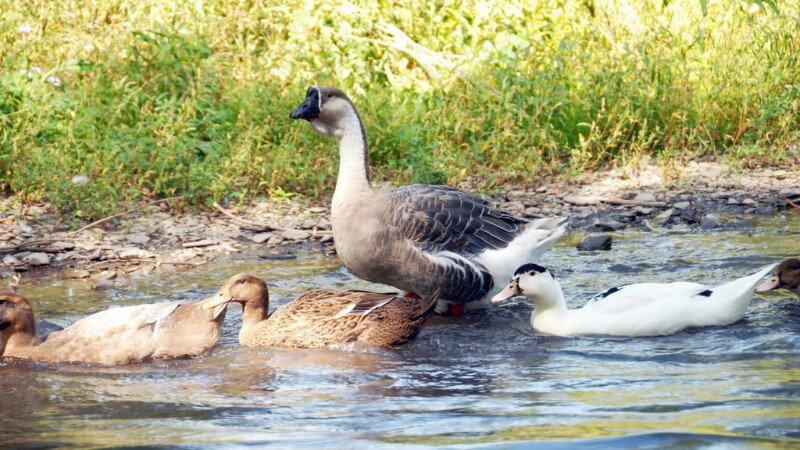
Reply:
x=16, y=318
x=249, y=290
x=787, y=276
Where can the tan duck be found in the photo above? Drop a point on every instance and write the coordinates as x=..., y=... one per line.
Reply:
x=115, y=336
x=418, y=238
x=787, y=276
x=321, y=318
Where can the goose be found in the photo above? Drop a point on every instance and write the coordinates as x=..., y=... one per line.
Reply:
x=418, y=238
x=116, y=336
x=787, y=276
x=643, y=309
x=320, y=319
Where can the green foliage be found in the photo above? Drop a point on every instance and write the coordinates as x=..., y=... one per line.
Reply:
x=154, y=99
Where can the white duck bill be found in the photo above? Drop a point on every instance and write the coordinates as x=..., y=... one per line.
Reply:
x=510, y=291
x=772, y=283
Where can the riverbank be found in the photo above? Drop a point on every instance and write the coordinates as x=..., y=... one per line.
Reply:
x=35, y=241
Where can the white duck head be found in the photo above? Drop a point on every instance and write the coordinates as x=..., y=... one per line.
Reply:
x=538, y=284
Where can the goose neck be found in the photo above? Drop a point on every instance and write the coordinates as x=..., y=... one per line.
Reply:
x=353, y=157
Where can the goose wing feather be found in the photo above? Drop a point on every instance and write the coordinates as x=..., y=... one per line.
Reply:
x=442, y=218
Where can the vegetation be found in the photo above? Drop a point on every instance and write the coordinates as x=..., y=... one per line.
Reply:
x=162, y=98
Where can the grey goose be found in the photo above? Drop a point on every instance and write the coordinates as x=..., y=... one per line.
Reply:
x=419, y=238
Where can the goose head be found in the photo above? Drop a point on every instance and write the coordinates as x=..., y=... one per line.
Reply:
x=535, y=282
x=787, y=276
x=328, y=110
x=249, y=290
x=16, y=317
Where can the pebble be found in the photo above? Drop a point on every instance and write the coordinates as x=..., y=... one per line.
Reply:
x=127, y=253
x=317, y=209
x=645, y=197
x=138, y=239
x=295, y=235
x=262, y=237
x=682, y=205
x=200, y=243
x=595, y=242
x=38, y=259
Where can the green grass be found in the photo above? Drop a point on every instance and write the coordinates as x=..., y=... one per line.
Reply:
x=191, y=98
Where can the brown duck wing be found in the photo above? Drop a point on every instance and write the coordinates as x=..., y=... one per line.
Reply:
x=320, y=318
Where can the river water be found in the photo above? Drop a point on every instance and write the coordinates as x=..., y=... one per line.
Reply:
x=479, y=380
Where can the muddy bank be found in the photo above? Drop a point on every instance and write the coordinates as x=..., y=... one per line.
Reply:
x=34, y=241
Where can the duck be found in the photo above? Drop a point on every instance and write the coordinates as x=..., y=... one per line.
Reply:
x=642, y=309
x=787, y=276
x=321, y=319
x=116, y=336
x=418, y=238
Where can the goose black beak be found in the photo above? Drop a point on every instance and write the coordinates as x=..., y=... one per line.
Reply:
x=309, y=109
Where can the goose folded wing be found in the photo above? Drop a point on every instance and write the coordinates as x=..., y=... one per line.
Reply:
x=442, y=218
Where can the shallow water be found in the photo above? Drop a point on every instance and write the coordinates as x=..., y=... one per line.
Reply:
x=482, y=379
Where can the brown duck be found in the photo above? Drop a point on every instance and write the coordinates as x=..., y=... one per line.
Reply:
x=787, y=276
x=112, y=337
x=321, y=318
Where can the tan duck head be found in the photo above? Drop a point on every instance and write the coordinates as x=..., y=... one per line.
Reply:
x=17, y=324
x=787, y=276
x=319, y=319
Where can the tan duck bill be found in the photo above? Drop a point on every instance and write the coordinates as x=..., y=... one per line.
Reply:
x=510, y=291
x=787, y=276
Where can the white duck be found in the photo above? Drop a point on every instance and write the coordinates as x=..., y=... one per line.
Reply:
x=420, y=238
x=643, y=309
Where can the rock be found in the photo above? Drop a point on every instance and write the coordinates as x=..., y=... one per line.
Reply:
x=262, y=237
x=76, y=274
x=595, y=242
x=732, y=201
x=11, y=261
x=63, y=245
x=709, y=222
x=326, y=238
x=102, y=284
x=764, y=211
x=606, y=225
x=107, y=274
x=662, y=218
x=96, y=255
x=295, y=235
x=24, y=228
x=643, y=210
x=581, y=200
x=138, y=239
x=132, y=252
x=79, y=179
x=200, y=243
x=38, y=259
x=748, y=201
x=645, y=197
x=317, y=209
x=308, y=224
x=682, y=205
x=274, y=240
x=746, y=223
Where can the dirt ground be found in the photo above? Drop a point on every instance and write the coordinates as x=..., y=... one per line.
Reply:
x=704, y=195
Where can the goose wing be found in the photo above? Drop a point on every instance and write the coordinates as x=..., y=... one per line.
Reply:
x=442, y=218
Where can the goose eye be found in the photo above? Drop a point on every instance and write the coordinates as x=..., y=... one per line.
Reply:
x=330, y=95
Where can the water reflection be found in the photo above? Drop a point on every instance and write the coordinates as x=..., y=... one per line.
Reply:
x=479, y=379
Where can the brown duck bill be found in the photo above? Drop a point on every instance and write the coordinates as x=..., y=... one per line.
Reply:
x=510, y=291
x=772, y=283
x=309, y=109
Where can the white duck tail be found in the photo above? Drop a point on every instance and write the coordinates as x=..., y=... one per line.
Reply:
x=727, y=302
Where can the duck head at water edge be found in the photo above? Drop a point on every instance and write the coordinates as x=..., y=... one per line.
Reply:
x=16, y=320
x=249, y=290
x=538, y=284
x=787, y=276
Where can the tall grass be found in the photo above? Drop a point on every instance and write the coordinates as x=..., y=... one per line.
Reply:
x=169, y=97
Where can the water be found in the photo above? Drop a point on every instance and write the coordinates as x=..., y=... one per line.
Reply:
x=483, y=379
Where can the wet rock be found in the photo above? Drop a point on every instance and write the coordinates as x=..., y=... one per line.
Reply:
x=107, y=274
x=763, y=211
x=277, y=255
x=262, y=237
x=745, y=223
x=662, y=218
x=709, y=222
x=295, y=235
x=138, y=239
x=38, y=259
x=76, y=274
x=102, y=284
x=595, y=242
x=606, y=225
